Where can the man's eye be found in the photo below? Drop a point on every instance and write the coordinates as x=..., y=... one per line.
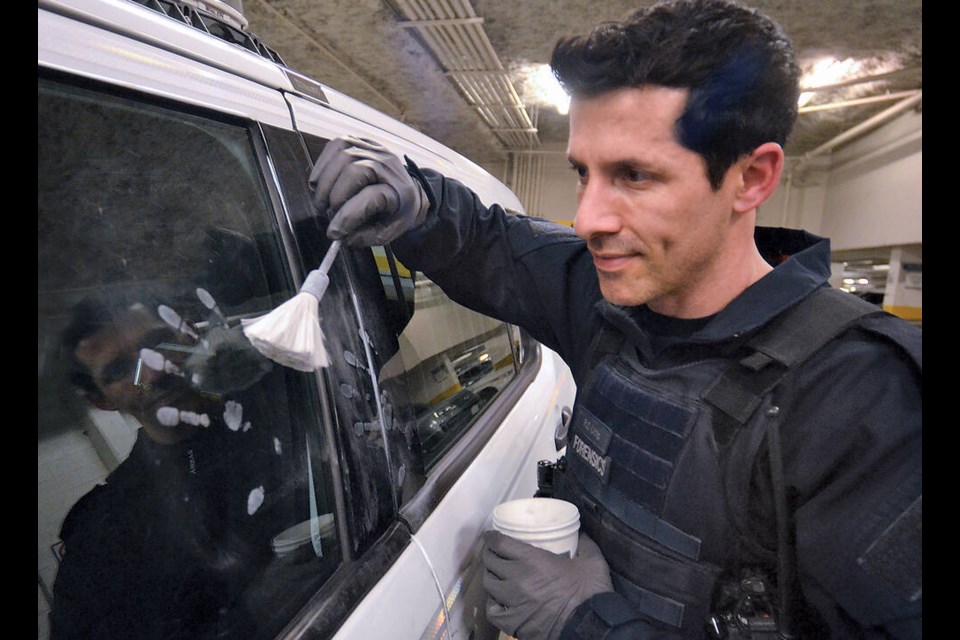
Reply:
x=118, y=370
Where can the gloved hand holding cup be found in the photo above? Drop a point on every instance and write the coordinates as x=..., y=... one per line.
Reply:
x=538, y=567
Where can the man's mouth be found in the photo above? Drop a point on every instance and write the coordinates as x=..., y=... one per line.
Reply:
x=611, y=262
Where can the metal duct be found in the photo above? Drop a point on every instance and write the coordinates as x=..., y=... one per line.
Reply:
x=527, y=180
x=455, y=35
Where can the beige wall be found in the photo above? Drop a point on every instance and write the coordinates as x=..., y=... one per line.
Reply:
x=875, y=189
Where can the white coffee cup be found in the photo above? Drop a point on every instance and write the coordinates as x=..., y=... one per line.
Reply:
x=546, y=523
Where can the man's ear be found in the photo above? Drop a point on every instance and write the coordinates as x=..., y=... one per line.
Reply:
x=760, y=172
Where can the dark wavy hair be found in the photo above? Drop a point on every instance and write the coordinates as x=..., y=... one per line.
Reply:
x=737, y=64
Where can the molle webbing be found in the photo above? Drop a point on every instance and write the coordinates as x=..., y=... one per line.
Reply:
x=789, y=340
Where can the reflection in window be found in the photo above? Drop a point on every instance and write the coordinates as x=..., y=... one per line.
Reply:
x=182, y=483
x=453, y=361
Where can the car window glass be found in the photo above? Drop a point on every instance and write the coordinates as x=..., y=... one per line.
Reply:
x=452, y=361
x=184, y=484
x=364, y=412
x=434, y=365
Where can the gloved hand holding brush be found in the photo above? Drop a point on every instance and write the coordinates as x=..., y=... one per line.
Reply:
x=367, y=192
x=371, y=200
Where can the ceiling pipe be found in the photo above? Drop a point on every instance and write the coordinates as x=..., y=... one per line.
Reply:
x=867, y=125
x=890, y=75
x=856, y=102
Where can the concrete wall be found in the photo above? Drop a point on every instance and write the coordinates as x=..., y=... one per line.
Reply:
x=875, y=188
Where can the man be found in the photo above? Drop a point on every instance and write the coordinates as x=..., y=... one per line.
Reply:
x=733, y=478
x=163, y=547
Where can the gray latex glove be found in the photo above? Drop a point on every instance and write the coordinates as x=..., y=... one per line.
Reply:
x=367, y=191
x=531, y=591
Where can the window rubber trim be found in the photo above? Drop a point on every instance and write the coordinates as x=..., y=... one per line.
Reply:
x=330, y=606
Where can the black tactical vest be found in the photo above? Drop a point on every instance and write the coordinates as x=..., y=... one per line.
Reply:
x=659, y=461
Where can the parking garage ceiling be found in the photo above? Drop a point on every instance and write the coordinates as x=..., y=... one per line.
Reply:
x=458, y=70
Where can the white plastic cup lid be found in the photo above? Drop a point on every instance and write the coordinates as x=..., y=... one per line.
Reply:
x=535, y=515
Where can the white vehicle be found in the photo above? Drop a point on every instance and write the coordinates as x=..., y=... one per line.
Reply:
x=173, y=155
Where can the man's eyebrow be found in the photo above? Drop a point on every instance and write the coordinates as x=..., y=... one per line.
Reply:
x=620, y=164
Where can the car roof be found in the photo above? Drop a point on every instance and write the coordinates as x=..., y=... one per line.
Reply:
x=180, y=27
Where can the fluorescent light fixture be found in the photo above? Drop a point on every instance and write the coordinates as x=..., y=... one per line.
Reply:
x=541, y=87
x=827, y=71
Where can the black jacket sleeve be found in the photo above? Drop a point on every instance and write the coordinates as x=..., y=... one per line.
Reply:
x=526, y=271
x=853, y=463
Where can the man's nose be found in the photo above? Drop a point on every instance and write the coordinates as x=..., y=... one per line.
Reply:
x=597, y=213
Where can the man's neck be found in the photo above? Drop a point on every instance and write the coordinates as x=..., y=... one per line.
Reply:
x=709, y=295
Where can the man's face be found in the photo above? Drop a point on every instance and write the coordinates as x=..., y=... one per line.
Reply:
x=655, y=228
x=125, y=384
